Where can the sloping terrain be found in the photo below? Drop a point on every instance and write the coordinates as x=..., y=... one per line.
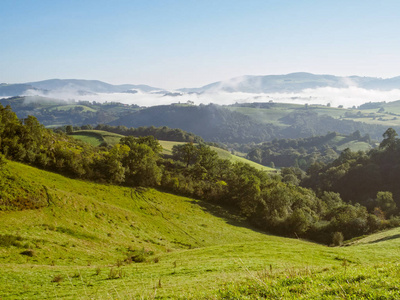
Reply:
x=89, y=240
x=239, y=123
x=97, y=137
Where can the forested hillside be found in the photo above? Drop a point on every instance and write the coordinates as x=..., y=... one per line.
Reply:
x=211, y=122
x=303, y=152
x=369, y=178
x=196, y=171
x=232, y=125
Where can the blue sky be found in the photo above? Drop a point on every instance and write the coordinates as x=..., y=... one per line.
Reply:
x=173, y=44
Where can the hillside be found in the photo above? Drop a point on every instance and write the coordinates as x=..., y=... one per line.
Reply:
x=211, y=122
x=260, y=122
x=238, y=123
x=98, y=137
x=303, y=152
x=78, y=247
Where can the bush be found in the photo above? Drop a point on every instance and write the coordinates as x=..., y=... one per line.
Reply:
x=8, y=240
x=57, y=278
x=137, y=256
x=28, y=252
x=337, y=239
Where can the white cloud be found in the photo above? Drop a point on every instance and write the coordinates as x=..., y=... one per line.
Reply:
x=347, y=97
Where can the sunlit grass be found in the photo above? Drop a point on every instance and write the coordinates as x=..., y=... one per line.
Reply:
x=81, y=243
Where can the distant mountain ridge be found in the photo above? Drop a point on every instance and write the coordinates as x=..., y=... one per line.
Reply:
x=94, y=86
x=294, y=82
x=79, y=86
x=14, y=89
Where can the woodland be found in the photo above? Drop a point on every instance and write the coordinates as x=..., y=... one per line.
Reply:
x=353, y=195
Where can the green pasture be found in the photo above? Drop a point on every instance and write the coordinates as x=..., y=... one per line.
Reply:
x=71, y=106
x=97, y=137
x=84, y=245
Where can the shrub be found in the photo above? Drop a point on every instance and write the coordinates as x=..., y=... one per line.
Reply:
x=8, y=240
x=57, y=278
x=98, y=271
x=115, y=274
x=137, y=256
x=337, y=239
x=28, y=252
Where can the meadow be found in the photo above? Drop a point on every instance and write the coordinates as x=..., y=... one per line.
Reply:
x=95, y=241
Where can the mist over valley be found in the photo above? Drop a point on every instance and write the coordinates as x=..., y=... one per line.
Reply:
x=299, y=88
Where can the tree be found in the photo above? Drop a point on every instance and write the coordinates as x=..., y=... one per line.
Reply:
x=337, y=238
x=141, y=167
x=331, y=199
x=185, y=153
x=69, y=129
x=389, y=139
x=3, y=161
x=385, y=201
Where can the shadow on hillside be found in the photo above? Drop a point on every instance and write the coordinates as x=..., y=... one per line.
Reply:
x=230, y=216
x=387, y=238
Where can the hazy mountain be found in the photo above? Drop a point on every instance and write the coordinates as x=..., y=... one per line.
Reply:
x=294, y=82
x=72, y=86
x=92, y=86
x=14, y=89
x=278, y=84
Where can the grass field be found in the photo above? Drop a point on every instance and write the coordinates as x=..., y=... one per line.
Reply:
x=84, y=244
x=275, y=113
x=97, y=137
x=72, y=106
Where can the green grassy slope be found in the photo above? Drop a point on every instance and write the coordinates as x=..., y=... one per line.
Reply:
x=77, y=247
x=83, y=108
x=96, y=137
x=275, y=113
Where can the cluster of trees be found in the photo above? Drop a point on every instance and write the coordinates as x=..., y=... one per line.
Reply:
x=302, y=152
x=160, y=133
x=195, y=170
x=360, y=176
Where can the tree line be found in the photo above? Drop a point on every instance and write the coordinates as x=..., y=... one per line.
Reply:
x=193, y=170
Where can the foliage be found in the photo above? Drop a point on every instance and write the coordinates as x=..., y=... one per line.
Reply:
x=160, y=133
x=303, y=152
x=337, y=238
x=362, y=177
x=272, y=203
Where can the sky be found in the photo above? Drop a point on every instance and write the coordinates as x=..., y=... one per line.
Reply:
x=175, y=44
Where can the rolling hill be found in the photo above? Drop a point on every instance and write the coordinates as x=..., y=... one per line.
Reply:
x=88, y=241
x=238, y=123
x=97, y=137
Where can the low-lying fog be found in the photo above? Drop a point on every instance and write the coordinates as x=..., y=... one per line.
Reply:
x=348, y=97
